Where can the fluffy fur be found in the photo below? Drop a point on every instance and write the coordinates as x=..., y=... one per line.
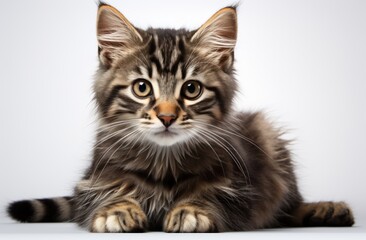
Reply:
x=171, y=154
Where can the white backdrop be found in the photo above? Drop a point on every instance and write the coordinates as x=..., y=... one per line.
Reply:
x=302, y=61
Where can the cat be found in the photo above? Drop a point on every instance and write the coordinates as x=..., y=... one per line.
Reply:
x=171, y=154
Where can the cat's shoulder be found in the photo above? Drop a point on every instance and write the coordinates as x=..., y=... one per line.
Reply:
x=257, y=125
x=252, y=119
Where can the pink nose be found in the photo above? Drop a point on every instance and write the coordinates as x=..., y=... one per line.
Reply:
x=166, y=119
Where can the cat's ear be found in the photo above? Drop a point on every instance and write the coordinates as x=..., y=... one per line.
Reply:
x=116, y=35
x=216, y=38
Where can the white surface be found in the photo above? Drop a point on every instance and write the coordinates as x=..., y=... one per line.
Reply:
x=302, y=61
x=70, y=231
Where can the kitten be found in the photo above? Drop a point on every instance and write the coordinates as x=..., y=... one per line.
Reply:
x=171, y=154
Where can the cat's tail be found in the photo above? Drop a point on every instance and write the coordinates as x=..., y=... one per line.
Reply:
x=42, y=210
x=322, y=214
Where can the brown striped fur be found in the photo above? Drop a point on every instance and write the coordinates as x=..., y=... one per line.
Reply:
x=171, y=154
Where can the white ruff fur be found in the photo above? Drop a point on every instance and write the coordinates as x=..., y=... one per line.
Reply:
x=168, y=137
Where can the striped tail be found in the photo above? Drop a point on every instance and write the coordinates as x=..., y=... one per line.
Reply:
x=42, y=210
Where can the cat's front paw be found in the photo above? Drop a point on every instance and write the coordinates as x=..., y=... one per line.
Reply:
x=188, y=218
x=122, y=217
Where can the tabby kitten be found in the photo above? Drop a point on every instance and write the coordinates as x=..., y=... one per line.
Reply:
x=171, y=154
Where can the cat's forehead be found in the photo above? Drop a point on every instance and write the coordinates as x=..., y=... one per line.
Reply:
x=166, y=54
x=167, y=60
x=167, y=35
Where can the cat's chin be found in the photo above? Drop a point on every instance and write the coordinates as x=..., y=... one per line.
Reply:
x=167, y=138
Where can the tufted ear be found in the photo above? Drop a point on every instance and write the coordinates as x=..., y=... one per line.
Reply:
x=216, y=38
x=116, y=35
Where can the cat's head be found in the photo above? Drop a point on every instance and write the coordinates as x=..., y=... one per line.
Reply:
x=164, y=86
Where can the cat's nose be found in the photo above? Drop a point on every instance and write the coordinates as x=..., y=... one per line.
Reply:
x=167, y=119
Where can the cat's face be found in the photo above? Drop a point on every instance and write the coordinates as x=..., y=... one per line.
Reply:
x=164, y=86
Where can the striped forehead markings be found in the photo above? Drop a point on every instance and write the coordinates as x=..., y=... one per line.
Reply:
x=166, y=53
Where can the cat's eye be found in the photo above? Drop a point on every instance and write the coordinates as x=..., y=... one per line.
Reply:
x=141, y=88
x=191, y=89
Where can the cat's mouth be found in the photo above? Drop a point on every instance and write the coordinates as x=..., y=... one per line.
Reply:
x=167, y=136
x=166, y=133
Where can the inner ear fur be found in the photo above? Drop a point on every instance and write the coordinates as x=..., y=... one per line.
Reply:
x=116, y=35
x=216, y=38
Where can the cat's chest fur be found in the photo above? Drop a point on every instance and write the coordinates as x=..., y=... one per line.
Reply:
x=158, y=177
x=157, y=196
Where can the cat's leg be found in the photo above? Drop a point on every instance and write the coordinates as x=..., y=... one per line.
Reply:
x=124, y=216
x=322, y=214
x=190, y=217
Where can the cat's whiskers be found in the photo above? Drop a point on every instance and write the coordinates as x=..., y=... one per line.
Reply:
x=216, y=138
x=121, y=141
x=210, y=146
x=109, y=134
x=93, y=182
x=228, y=133
x=136, y=140
x=103, y=127
x=113, y=134
x=109, y=117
